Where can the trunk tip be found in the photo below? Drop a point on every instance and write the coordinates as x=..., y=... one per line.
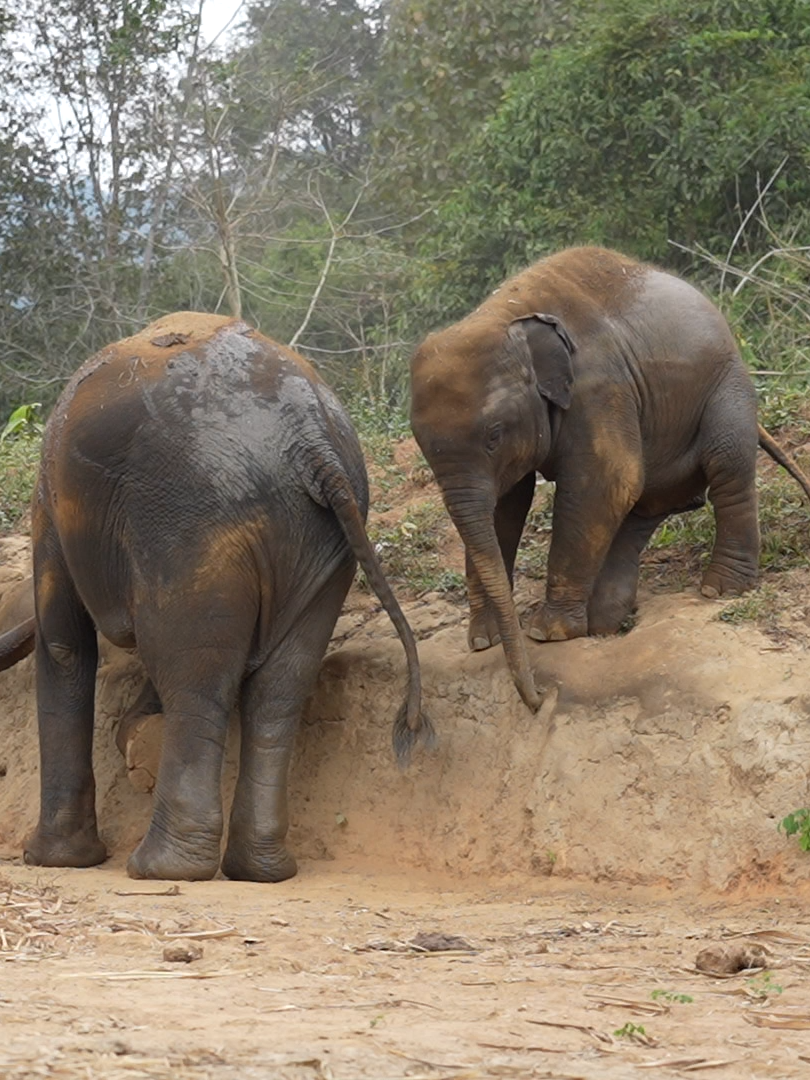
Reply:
x=529, y=694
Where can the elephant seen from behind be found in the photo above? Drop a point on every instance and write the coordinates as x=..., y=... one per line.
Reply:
x=202, y=497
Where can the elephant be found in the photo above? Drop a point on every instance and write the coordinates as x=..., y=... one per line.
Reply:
x=17, y=614
x=202, y=498
x=17, y=634
x=621, y=383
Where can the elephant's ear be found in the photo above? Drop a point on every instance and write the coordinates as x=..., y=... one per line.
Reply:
x=546, y=346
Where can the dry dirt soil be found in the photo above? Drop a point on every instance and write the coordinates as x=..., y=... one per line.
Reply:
x=527, y=900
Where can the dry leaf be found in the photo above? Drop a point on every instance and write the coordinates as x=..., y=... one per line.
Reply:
x=786, y=1021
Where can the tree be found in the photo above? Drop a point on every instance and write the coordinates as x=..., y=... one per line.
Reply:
x=655, y=122
x=444, y=68
x=88, y=102
x=278, y=196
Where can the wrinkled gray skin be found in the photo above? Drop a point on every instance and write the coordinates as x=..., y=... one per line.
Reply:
x=201, y=497
x=623, y=385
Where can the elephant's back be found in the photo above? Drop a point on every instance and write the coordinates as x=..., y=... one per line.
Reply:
x=184, y=376
x=189, y=425
x=175, y=446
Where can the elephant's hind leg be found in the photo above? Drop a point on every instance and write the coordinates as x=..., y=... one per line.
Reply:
x=66, y=659
x=197, y=682
x=613, y=598
x=729, y=462
x=272, y=701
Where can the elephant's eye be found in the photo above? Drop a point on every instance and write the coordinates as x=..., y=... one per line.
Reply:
x=494, y=435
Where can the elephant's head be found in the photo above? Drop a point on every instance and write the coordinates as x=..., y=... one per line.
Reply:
x=482, y=396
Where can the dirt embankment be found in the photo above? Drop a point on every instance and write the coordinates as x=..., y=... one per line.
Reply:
x=572, y=863
x=663, y=756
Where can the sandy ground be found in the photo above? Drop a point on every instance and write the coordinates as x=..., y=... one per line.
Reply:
x=574, y=865
x=316, y=978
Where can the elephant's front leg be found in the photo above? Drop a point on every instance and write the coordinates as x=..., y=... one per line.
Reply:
x=614, y=594
x=272, y=702
x=510, y=517
x=587, y=515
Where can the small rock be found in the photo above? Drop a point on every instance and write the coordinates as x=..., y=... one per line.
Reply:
x=440, y=942
x=537, y=947
x=183, y=952
x=729, y=959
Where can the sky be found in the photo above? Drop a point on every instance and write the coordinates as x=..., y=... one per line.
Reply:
x=220, y=16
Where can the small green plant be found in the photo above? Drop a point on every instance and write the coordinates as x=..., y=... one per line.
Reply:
x=671, y=996
x=450, y=581
x=629, y=1031
x=762, y=986
x=19, y=463
x=755, y=606
x=25, y=422
x=797, y=824
x=410, y=550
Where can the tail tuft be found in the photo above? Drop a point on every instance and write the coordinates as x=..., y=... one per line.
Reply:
x=405, y=737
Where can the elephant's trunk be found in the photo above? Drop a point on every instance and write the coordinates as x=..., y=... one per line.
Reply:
x=473, y=516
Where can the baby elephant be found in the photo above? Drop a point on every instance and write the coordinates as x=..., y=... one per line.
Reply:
x=623, y=385
x=202, y=496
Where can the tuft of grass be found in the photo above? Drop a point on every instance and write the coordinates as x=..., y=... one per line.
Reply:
x=671, y=996
x=409, y=551
x=379, y=428
x=760, y=605
x=762, y=986
x=784, y=523
x=630, y=1031
x=785, y=407
x=19, y=464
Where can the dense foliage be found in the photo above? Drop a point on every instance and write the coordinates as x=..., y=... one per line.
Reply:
x=348, y=174
x=656, y=123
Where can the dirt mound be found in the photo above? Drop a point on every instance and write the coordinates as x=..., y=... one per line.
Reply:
x=663, y=756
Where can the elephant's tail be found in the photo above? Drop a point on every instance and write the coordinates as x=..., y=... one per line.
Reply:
x=772, y=447
x=17, y=643
x=411, y=722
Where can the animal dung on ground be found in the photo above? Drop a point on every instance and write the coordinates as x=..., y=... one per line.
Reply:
x=182, y=952
x=438, y=942
x=729, y=959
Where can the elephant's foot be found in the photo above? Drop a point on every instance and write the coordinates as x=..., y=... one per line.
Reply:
x=720, y=581
x=483, y=631
x=553, y=622
x=610, y=614
x=266, y=860
x=196, y=858
x=79, y=847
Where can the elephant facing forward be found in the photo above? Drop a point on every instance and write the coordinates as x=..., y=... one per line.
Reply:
x=623, y=385
x=201, y=496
